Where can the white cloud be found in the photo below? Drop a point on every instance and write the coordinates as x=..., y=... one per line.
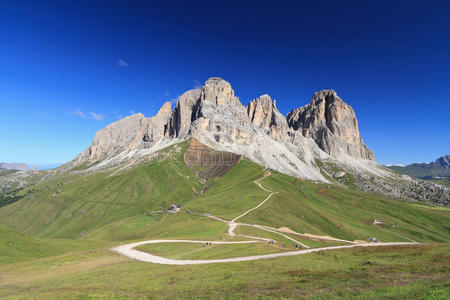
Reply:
x=132, y=112
x=122, y=63
x=78, y=113
x=395, y=165
x=97, y=117
x=197, y=84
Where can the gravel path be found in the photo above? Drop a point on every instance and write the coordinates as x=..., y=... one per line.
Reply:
x=128, y=251
x=232, y=224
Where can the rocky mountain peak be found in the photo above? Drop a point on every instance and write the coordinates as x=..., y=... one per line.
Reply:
x=219, y=92
x=165, y=110
x=263, y=113
x=260, y=111
x=328, y=95
x=332, y=124
x=443, y=161
x=214, y=116
x=126, y=133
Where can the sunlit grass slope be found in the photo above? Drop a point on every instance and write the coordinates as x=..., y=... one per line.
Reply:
x=15, y=246
x=403, y=272
x=200, y=251
x=73, y=205
x=347, y=214
x=121, y=206
x=91, y=213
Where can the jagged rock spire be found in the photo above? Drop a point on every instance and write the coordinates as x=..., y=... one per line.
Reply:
x=219, y=92
x=332, y=124
x=263, y=113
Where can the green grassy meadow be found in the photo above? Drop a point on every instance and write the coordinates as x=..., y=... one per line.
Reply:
x=17, y=247
x=55, y=240
x=403, y=272
x=200, y=251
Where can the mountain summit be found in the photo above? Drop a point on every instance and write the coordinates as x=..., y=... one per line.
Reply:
x=332, y=124
x=325, y=128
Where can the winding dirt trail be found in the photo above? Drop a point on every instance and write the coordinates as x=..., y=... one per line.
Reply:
x=128, y=251
x=264, y=201
x=232, y=224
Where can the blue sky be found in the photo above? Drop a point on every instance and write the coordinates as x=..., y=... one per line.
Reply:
x=69, y=68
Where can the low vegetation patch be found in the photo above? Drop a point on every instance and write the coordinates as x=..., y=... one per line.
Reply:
x=204, y=251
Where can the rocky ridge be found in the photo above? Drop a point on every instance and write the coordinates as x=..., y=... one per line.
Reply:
x=442, y=162
x=325, y=130
x=332, y=124
x=215, y=116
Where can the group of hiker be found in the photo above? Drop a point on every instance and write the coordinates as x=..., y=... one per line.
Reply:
x=272, y=242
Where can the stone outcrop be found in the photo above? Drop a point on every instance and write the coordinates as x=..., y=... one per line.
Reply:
x=156, y=126
x=132, y=132
x=181, y=118
x=219, y=114
x=332, y=124
x=125, y=134
x=218, y=92
x=263, y=113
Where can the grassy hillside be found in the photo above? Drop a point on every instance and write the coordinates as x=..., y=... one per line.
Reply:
x=124, y=206
x=199, y=251
x=348, y=214
x=231, y=194
x=15, y=247
x=303, y=206
x=74, y=204
x=406, y=272
x=58, y=233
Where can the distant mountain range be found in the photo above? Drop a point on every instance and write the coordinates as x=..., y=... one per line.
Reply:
x=13, y=166
x=436, y=169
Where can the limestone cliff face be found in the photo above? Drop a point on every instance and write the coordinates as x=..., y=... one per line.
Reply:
x=181, y=118
x=263, y=113
x=218, y=92
x=132, y=132
x=215, y=116
x=124, y=134
x=332, y=124
x=156, y=126
x=218, y=114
